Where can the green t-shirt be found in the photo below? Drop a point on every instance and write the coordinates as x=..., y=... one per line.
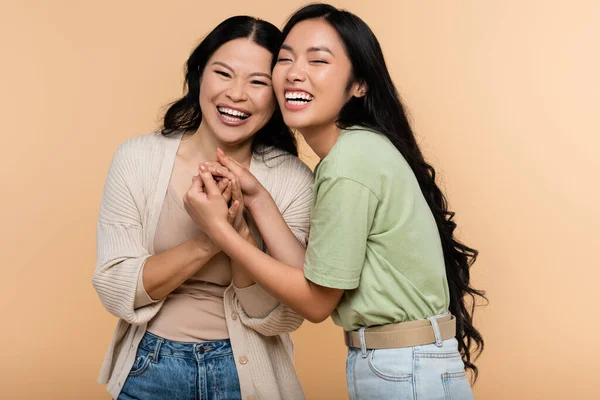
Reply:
x=373, y=234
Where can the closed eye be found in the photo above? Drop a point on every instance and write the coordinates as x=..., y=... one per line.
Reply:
x=319, y=62
x=283, y=59
x=223, y=73
x=256, y=82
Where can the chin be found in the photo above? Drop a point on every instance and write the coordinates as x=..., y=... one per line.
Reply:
x=233, y=141
x=296, y=121
x=232, y=136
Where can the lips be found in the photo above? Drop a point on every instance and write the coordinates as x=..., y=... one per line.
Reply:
x=296, y=100
x=232, y=116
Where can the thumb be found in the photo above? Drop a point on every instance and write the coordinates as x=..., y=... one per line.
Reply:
x=209, y=183
x=197, y=185
x=229, y=163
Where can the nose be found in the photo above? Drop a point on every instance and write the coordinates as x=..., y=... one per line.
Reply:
x=295, y=74
x=237, y=91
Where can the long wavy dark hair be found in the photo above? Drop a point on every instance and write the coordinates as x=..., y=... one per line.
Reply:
x=381, y=110
x=185, y=115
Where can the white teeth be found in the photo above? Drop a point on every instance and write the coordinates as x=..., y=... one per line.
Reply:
x=298, y=95
x=297, y=102
x=230, y=119
x=230, y=111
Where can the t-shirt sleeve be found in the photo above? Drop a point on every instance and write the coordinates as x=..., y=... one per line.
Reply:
x=341, y=221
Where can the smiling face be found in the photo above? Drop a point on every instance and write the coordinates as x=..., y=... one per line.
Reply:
x=313, y=76
x=236, y=94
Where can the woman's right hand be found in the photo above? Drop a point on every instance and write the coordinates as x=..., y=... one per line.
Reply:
x=252, y=189
x=230, y=187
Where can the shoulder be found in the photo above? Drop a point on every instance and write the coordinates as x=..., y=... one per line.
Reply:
x=357, y=153
x=283, y=165
x=363, y=145
x=145, y=151
x=364, y=156
x=140, y=157
x=144, y=145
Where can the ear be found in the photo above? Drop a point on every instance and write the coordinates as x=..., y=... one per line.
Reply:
x=359, y=89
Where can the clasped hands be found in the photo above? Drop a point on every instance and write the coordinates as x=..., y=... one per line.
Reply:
x=219, y=195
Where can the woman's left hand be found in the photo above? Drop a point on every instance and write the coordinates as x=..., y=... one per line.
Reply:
x=205, y=204
x=227, y=167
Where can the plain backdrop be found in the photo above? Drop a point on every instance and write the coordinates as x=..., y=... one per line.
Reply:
x=503, y=96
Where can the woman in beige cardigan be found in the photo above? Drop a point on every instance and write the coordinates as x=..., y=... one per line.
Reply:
x=192, y=324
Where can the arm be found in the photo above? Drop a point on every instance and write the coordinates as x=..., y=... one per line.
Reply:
x=166, y=271
x=258, y=309
x=241, y=279
x=283, y=281
x=283, y=245
x=124, y=266
x=120, y=251
x=283, y=231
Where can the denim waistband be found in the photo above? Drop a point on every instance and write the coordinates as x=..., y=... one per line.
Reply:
x=192, y=350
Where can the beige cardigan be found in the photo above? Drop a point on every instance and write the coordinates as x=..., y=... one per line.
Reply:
x=258, y=324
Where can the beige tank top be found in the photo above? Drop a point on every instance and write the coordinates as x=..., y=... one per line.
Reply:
x=195, y=311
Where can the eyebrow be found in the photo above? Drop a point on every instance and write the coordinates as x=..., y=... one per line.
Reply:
x=310, y=49
x=319, y=48
x=222, y=64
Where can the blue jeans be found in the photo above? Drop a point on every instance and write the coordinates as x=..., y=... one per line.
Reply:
x=424, y=372
x=168, y=370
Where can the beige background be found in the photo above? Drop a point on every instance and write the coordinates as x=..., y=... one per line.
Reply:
x=502, y=95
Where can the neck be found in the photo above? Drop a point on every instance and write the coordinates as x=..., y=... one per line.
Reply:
x=321, y=139
x=203, y=144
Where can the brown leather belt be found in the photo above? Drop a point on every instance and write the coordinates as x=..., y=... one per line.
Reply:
x=403, y=334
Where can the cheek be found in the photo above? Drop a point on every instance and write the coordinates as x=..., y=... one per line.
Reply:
x=209, y=88
x=330, y=82
x=332, y=89
x=265, y=103
x=204, y=97
x=278, y=78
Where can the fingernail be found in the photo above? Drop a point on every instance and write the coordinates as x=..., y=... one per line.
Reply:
x=202, y=167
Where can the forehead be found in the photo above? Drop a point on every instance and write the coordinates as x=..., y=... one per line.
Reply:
x=314, y=33
x=243, y=55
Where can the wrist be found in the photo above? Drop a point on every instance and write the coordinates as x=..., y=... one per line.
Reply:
x=204, y=247
x=257, y=201
x=221, y=234
x=245, y=232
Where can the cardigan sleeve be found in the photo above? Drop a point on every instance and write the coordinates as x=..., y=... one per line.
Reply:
x=297, y=190
x=280, y=319
x=120, y=251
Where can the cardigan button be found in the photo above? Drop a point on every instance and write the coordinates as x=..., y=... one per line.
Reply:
x=243, y=360
x=234, y=316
